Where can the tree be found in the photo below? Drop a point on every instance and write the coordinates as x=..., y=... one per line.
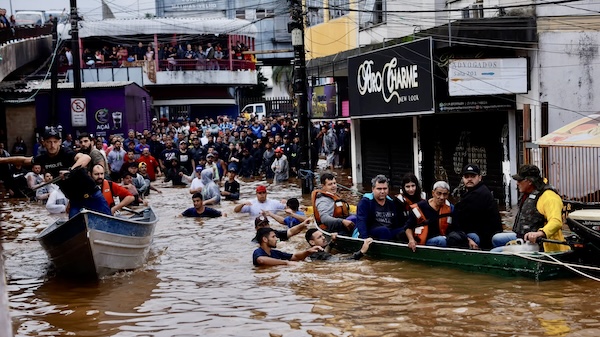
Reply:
x=258, y=90
x=283, y=76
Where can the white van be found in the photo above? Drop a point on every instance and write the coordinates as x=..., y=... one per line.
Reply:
x=258, y=110
x=30, y=18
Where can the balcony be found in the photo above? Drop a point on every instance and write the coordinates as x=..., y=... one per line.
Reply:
x=173, y=71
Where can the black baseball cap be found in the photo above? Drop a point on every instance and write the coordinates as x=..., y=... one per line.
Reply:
x=51, y=131
x=471, y=169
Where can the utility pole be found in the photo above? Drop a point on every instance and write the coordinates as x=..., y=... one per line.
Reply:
x=300, y=86
x=54, y=75
x=75, y=49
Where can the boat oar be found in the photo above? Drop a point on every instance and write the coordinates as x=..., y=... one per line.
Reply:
x=46, y=183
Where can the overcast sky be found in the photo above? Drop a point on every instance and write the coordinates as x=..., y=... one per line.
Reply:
x=89, y=9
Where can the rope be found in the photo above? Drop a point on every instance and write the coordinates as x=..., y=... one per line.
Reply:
x=570, y=266
x=353, y=190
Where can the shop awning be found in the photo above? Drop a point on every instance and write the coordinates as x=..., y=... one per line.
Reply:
x=150, y=26
x=584, y=132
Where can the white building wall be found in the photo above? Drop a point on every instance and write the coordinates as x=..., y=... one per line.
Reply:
x=569, y=65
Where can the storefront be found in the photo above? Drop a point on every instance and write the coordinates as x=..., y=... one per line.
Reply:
x=387, y=89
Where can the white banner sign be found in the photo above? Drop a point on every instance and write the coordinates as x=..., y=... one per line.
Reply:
x=78, y=112
x=473, y=77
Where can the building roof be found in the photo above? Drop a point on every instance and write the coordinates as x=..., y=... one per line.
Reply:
x=148, y=26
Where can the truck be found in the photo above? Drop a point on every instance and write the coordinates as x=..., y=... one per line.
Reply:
x=30, y=18
x=269, y=108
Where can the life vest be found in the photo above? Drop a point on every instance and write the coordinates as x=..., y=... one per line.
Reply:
x=421, y=232
x=107, y=192
x=528, y=218
x=341, y=208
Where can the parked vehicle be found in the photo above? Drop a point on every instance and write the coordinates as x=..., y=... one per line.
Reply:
x=269, y=108
x=30, y=18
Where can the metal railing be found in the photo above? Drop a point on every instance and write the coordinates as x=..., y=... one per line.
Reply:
x=17, y=33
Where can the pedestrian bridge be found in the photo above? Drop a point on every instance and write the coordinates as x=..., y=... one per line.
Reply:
x=23, y=46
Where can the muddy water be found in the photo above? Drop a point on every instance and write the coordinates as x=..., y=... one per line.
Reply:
x=200, y=281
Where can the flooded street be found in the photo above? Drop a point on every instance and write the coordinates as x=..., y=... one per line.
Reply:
x=200, y=281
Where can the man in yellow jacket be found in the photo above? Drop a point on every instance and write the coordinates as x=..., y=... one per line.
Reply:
x=540, y=212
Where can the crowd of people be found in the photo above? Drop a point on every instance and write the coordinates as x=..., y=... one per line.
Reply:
x=184, y=55
x=207, y=156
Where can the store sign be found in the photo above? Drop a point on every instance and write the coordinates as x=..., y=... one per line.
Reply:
x=323, y=101
x=392, y=81
x=472, y=77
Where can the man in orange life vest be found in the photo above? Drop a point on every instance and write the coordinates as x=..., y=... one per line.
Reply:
x=429, y=223
x=331, y=212
x=110, y=190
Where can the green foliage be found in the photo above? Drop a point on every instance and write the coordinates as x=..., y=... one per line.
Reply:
x=283, y=76
x=256, y=91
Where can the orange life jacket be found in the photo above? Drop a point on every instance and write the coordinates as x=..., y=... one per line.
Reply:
x=107, y=192
x=420, y=233
x=341, y=208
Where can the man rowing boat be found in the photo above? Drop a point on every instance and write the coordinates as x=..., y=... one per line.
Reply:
x=62, y=162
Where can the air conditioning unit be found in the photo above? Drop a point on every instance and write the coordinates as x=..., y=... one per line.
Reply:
x=476, y=11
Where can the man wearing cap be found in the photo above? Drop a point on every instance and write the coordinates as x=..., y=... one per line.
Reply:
x=152, y=165
x=77, y=185
x=260, y=204
x=539, y=215
x=267, y=255
x=280, y=166
x=476, y=213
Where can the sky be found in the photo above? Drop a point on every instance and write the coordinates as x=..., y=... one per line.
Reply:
x=89, y=9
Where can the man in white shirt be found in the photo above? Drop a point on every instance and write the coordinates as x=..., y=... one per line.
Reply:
x=260, y=204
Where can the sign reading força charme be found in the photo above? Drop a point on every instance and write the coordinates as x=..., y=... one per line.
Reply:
x=392, y=81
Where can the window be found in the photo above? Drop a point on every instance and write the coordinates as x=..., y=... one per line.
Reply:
x=338, y=8
x=373, y=13
x=314, y=14
x=240, y=14
x=265, y=13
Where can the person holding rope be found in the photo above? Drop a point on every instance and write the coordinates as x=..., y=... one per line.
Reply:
x=332, y=213
x=74, y=180
x=540, y=213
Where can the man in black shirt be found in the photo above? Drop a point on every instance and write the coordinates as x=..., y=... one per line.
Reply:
x=76, y=184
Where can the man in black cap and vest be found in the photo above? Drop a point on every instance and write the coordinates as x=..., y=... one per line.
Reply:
x=76, y=184
x=540, y=212
x=476, y=213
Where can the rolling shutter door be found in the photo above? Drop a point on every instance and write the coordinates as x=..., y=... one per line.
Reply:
x=386, y=148
x=451, y=141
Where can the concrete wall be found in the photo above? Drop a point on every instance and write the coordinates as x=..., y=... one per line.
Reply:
x=213, y=77
x=568, y=72
x=20, y=121
x=20, y=53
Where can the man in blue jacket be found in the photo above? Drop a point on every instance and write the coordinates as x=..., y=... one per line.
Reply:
x=376, y=215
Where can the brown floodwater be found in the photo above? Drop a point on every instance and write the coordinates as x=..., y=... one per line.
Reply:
x=200, y=281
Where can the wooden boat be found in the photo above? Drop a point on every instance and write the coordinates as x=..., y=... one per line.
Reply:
x=93, y=244
x=536, y=265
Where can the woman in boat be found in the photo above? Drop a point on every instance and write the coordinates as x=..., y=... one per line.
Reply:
x=410, y=193
x=430, y=220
